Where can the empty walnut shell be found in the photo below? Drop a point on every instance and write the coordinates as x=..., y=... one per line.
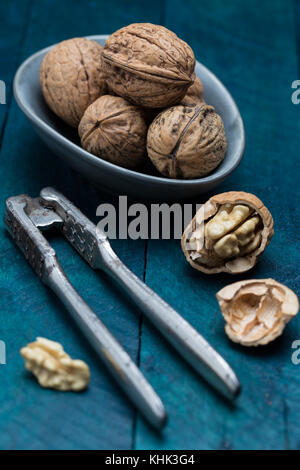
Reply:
x=115, y=130
x=187, y=142
x=256, y=311
x=148, y=65
x=228, y=233
x=194, y=95
x=71, y=78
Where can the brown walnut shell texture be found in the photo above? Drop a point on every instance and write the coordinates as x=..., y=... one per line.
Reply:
x=187, y=141
x=71, y=78
x=194, y=95
x=148, y=65
x=115, y=130
x=256, y=311
x=210, y=209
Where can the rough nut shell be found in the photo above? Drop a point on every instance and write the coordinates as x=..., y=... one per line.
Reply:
x=194, y=95
x=148, y=65
x=256, y=311
x=115, y=130
x=187, y=142
x=197, y=248
x=71, y=78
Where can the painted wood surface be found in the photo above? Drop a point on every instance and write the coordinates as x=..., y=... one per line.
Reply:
x=252, y=47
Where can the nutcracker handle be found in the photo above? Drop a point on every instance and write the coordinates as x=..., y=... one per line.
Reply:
x=116, y=359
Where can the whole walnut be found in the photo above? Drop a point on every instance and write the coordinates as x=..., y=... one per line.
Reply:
x=194, y=95
x=187, y=141
x=71, y=78
x=115, y=130
x=148, y=65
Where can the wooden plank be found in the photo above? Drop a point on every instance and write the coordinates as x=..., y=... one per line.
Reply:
x=32, y=418
x=13, y=30
x=251, y=48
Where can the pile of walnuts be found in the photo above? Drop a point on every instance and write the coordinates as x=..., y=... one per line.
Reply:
x=136, y=97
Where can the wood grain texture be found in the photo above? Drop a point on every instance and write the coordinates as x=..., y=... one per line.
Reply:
x=31, y=418
x=251, y=48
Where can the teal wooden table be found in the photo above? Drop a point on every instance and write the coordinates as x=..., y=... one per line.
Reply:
x=254, y=48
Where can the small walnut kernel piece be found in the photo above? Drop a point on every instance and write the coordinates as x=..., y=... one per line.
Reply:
x=187, y=141
x=115, y=130
x=256, y=311
x=53, y=367
x=148, y=65
x=228, y=233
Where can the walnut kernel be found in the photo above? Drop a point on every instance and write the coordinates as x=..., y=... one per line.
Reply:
x=54, y=368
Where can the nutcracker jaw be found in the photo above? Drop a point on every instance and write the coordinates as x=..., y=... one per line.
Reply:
x=88, y=240
x=25, y=218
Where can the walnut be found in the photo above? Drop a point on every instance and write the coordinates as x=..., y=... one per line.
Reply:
x=115, y=130
x=54, y=368
x=71, y=78
x=148, y=65
x=256, y=311
x=194, y=95
x=186, y=142
x=228, y=233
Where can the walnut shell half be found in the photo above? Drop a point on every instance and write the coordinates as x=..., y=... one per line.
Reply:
x=71, y=78
x=256, y=311
x=187, y=142
x=228, y=233
x=115, y=130
x=148, y=65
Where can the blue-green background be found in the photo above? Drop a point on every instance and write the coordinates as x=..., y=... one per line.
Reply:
x=252, y=46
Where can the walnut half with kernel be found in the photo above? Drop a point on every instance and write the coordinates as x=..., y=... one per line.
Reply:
x=256, y=311
x=53, y=367
x=228, y=233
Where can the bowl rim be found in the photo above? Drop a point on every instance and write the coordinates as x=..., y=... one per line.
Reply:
x=214, y=177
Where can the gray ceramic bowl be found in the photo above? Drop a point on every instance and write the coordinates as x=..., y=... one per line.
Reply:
x=148, y=184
